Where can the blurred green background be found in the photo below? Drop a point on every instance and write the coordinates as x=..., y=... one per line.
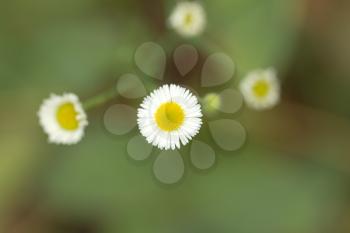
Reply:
x=293, y=174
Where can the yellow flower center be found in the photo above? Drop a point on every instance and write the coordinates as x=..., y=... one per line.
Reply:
x=67, y=117
x=188, y=19
x=169, y=116
x=261, y=88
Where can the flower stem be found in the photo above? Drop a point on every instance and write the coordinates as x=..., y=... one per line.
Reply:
x=100, y=99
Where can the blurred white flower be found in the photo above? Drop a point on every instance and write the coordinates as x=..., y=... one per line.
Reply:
x=261, y=89
x=169, y=116
x=63, y=119
x=188, y=19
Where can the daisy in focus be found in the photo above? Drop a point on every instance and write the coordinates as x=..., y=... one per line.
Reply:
x=63, y=119
x=261, y=89
x=188, y=19
x=169, y=117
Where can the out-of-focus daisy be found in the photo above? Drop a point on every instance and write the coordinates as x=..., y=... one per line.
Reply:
x=261, y=89
x=63, y=119
x=188, y=19
x=169, y=116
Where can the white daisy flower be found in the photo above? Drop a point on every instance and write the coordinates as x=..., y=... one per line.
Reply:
x=188, y=19
x=169, y=116
x=261, y=89
x=63, y=119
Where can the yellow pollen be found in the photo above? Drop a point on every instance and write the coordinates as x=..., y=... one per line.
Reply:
x=67, y=117
x=261, y=88
x=188, y=19
x=169, y=116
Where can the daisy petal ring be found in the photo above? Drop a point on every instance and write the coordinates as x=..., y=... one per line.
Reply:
x=169, y=117
x=63, y=119
x=261, y=89
x=188, y=19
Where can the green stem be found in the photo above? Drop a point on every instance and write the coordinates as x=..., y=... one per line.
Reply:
x=99, y=99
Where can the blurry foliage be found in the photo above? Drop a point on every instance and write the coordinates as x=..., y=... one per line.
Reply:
x=84, y=45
